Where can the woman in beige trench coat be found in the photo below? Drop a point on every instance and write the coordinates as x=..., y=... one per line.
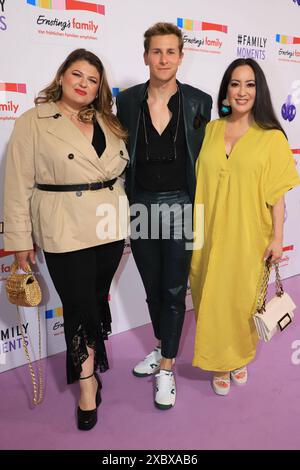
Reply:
x=63, y=193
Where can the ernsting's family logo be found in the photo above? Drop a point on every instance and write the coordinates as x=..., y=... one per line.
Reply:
x=67, y=27
x=195, y=39
x=58, y=323
x=288, y=51
x=9, y=108
x=89, y=26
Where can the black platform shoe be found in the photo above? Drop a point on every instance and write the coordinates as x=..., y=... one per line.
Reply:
x=86, y=419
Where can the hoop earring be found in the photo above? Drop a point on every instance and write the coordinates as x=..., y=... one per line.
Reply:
x=225, y=108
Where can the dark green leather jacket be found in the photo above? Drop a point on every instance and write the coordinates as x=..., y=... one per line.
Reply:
x=196, y=113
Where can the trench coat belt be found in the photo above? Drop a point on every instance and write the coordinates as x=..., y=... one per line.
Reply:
x=77, y=187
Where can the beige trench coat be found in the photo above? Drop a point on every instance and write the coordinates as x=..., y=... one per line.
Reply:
x=49, y=149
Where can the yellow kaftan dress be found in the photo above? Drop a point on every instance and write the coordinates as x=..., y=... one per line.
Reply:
x=237, y=194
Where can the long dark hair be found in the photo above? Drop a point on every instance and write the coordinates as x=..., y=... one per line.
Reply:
x=102, y=103
x=263, y=111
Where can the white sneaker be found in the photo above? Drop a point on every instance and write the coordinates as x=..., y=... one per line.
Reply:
x=239, y=376
x=148, y=366
x=165, y=390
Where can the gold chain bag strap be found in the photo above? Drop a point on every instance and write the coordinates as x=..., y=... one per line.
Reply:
x=278, y=313
x=23, y=290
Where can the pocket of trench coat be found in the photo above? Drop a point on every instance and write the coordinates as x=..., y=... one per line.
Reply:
x=116, y=164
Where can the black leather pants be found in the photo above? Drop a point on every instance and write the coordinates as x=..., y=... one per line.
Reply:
x=162, y=254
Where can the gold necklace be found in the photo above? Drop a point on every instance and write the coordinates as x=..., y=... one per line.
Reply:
x=69, y=113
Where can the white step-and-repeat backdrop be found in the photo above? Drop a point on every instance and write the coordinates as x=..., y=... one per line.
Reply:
x=37, y=35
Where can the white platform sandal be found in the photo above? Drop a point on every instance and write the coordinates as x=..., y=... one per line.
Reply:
x=221, y=384
x=239, y=376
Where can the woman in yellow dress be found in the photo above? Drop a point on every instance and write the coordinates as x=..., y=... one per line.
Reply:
x=245, y=167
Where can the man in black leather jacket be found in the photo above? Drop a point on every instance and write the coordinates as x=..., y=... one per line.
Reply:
x=166, y=122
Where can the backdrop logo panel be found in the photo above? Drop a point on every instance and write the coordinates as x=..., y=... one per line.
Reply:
x=80, y=25
x=285, y=257
x=57, y=324
x=68, y=5
x=11, y=100
x=11, y=338
x=202, y=36
x=288, y=109
x=287, y=51
x=251, y=46
x=14, y=87
x=3, y=21
x=4, y=267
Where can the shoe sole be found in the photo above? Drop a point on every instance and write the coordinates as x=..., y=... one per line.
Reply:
x=86, y=428
x=163, y=407
x=236, y=382
x=139, y=374
x=220, y=392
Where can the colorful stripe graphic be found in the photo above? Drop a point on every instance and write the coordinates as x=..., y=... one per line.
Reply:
x=54, y=312
x=288, y=248
x=68, y=5
x=116, y=91
x=193, y=25
x=296, y=151
x=283, y=39
x=4, y=253
x=14, y=87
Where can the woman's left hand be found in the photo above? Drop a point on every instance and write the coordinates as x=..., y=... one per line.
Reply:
x=274, y=250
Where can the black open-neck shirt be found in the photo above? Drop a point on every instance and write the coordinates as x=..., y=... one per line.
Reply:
x=161, y=176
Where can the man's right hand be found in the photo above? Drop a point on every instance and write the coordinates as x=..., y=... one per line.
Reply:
x=24, y=257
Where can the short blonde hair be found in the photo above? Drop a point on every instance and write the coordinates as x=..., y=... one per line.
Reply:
x=162, y=29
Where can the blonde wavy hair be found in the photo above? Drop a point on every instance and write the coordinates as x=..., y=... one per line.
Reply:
x=102, y=103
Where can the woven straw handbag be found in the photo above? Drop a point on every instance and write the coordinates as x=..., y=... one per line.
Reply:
x=23, y=289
